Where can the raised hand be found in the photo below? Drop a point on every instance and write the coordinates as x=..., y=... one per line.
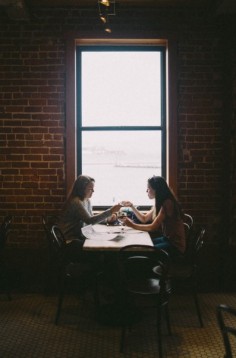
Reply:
x=128, y=222
x=127, y=203
x=116, y=208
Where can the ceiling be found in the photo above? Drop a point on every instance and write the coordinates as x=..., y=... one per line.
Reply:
x=20, y=9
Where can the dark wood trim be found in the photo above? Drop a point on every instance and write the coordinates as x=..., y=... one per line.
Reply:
x=71, y=160
x=172, y=147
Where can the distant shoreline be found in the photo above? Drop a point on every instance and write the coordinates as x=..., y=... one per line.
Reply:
x=136, y=166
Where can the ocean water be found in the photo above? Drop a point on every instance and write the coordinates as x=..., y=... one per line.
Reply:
x=116, y=183
x=121, y=163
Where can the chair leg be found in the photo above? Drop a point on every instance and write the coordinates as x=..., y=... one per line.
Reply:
x=6, y=282
x=8, y=288
x=159, y=333
x=228, y=352
x=9, y=295
x=97, y=288
x=195, y=296
x=122, y=341
x=168, y=319
x=198, y=308
x=60, y=301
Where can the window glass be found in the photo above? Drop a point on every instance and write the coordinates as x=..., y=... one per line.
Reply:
x=121, y=88
x=121, y=162
x=121, y=109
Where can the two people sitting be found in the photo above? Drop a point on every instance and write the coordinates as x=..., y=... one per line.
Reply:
x=165, y=216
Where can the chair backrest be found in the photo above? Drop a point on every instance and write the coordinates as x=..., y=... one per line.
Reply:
x=188, y=226
x=188, y=220
x=136, y=262
x=47, y=228
x=4, y=230
x=58, y=243
x=57, y=238
x=196, y=241
x=199, y=240
x=224, y=315
x=48, y=223
x=48, y=235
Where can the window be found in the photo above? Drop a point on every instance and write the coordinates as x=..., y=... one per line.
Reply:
x=121, y=120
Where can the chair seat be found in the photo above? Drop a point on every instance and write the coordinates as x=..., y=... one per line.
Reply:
x=145, y=287
x=158, y=270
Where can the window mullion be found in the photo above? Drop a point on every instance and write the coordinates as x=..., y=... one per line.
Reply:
x=122, y=128
x=127, y=151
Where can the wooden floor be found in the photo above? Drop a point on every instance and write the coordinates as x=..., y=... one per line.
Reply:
x=27, y=329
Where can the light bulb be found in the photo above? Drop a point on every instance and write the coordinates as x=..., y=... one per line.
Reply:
x=105, y=2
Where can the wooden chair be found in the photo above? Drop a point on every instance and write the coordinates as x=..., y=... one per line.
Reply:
x=51, y=262
x=78, y=273
x=189, y=227
x=4, y=233
x=58, y=250
x=136, y=264
x=184, y=272
x=188, y=220
x=224, y=314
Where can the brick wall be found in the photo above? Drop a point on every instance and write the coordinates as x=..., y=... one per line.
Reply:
x=32, y=116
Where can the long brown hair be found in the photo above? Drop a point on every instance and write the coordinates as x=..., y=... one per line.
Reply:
x=79, y=187
x=163, y=192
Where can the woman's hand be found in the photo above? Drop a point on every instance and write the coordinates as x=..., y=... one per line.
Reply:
x=126, y=221
x=112, y=218
x=127, y=204
x=116, y=208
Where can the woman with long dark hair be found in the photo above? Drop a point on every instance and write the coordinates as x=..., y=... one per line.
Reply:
x=165, y=216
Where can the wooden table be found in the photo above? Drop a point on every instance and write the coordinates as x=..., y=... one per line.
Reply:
x=111, y=311
x=125, y=236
